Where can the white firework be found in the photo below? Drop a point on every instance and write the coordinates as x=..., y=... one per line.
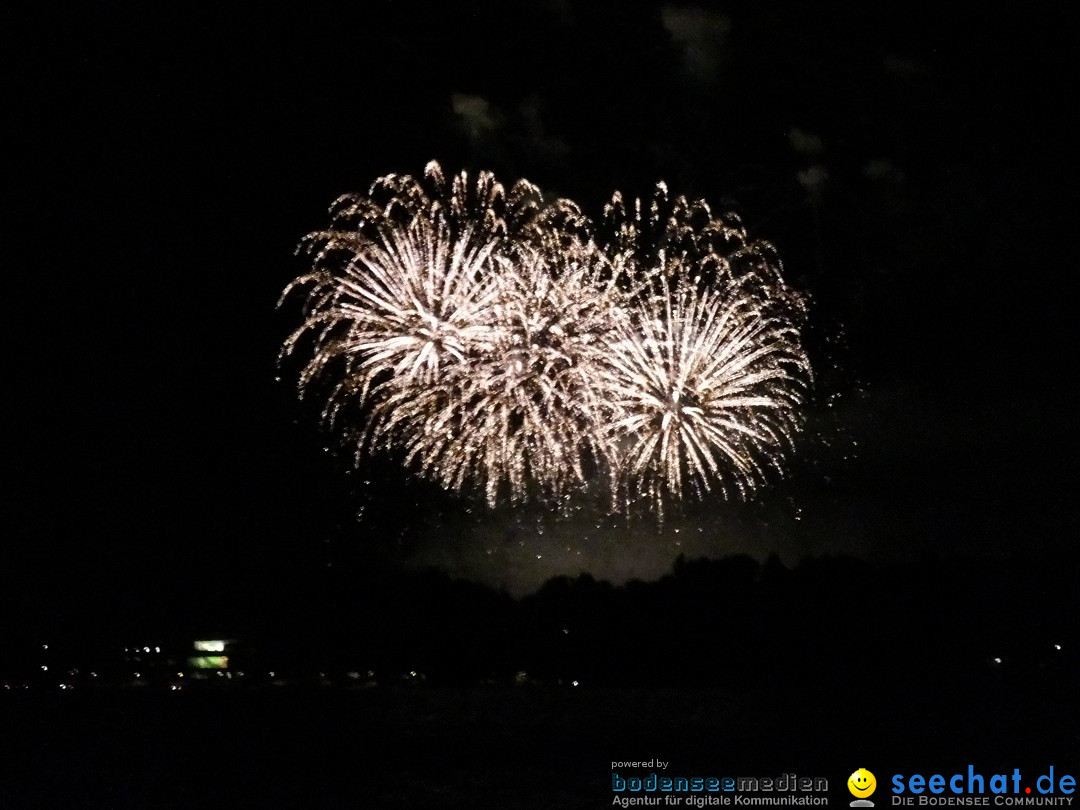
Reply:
x=399, y=310
x=503, y=346
x=518, y=421
x=704, y=392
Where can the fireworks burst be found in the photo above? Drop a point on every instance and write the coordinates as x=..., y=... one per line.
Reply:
x=517, y=418
x=502, y=345
x=703, y=393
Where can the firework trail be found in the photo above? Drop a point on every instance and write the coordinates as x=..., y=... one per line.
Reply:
x=503, y=346
x=683, y=240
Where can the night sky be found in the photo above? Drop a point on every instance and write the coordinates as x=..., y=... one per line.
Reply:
x=915, y=168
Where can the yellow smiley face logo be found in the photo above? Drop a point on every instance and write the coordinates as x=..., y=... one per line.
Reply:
x=861, y=783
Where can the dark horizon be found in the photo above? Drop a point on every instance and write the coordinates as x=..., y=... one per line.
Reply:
x=731, y=623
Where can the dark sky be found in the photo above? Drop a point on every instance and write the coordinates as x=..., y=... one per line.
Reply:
x=915, y=168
